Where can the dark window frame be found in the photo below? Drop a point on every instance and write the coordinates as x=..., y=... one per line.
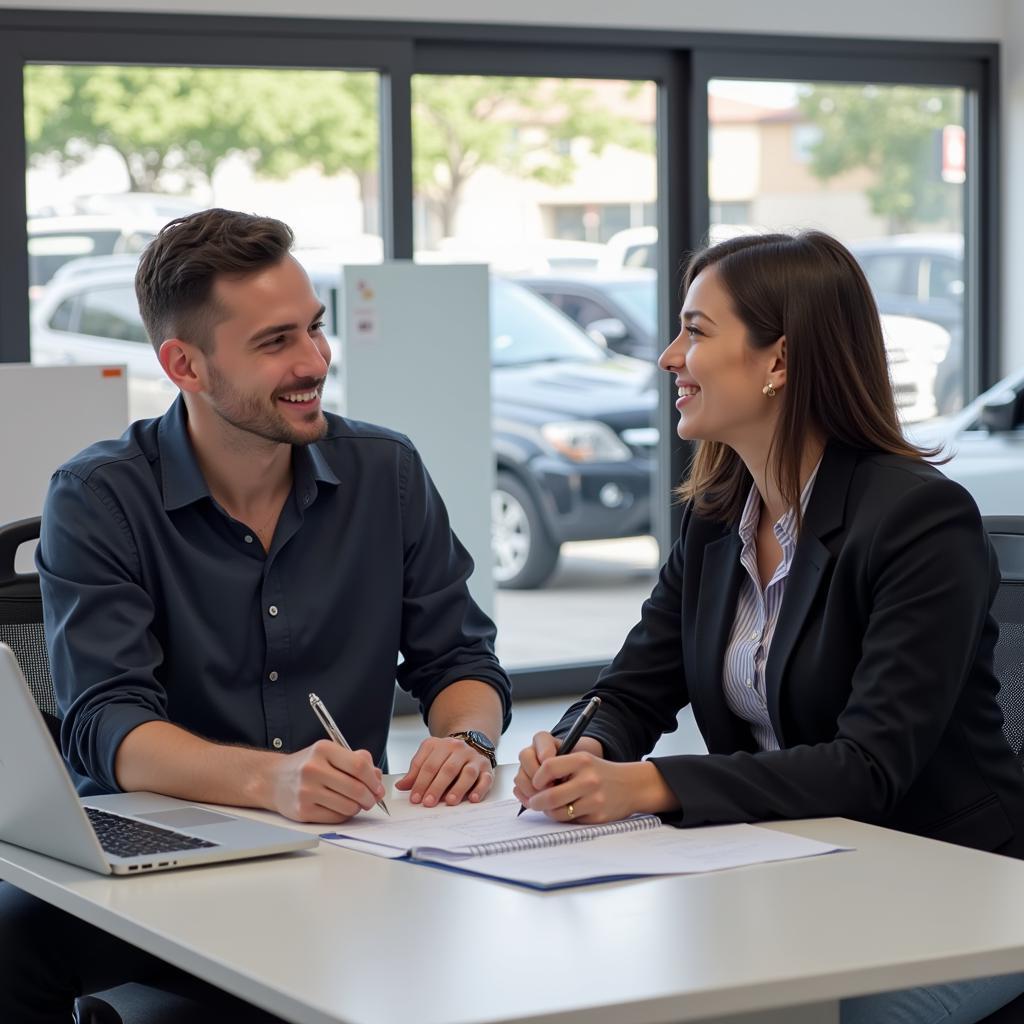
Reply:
x=679, y=61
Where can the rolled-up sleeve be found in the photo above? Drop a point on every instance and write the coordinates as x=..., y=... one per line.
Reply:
x=445, y=634
x=104, y=657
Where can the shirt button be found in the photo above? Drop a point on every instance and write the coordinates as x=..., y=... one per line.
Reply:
x=272, y=677
x=248, y=538
x=750, y=685
x=755, y=635
x=272, y=609
x=277, y=743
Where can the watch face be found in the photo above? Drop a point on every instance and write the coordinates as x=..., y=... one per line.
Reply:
x=480, y=739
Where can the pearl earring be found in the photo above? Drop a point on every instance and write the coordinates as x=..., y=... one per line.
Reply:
x=768, y=390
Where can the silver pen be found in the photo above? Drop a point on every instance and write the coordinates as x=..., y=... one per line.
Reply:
x=332, y=730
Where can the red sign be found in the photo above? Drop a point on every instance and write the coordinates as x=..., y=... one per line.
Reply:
x=954, y=154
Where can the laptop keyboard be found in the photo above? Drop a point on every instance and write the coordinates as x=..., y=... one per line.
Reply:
x=127, y=837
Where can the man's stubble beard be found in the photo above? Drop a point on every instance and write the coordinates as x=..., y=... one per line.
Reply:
x=249, y=413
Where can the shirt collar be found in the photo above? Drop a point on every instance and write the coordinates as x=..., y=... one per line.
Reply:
x=785, y=528
x=183, y=480
x=309, y=468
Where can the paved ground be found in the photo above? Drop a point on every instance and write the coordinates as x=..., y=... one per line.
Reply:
x=585, y=611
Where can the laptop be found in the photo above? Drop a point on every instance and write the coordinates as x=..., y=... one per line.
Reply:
x=120, y=834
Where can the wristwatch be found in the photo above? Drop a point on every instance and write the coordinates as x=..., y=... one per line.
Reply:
x=479, y=742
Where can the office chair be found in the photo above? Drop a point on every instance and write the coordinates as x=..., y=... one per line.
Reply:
x=1007, y=536
x=21, y=619
x=21, y=628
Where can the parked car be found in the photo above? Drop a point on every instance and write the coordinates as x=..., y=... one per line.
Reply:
x=54, y=241
x=986, y=442
x=631, y=247
x=573, y=437
x=638, y=247
x=574, y=444
x=620, y=307
x=922, y=276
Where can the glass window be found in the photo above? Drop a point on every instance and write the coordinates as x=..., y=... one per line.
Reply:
x=526, y=330
x=62, y=316
x=549, y=180
x=112, y=313
x=730, y=212
x=945, y=280
x=117, y=151
x=638, y=298
x=881, y=168
x=581, y=310
x=894, y=274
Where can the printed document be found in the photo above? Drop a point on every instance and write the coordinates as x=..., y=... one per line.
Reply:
x=489, y=839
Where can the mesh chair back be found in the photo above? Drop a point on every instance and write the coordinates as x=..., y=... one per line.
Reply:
x=21, y=619
x=1007, y=536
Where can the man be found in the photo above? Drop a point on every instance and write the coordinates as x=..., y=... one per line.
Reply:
x=208, y=570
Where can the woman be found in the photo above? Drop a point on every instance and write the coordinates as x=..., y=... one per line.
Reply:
x=825, y=610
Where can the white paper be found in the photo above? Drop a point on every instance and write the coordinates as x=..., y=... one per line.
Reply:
x=414, y=827
x=441, y=835
x=662, y=851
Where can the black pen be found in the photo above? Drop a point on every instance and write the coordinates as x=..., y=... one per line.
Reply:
x=572, y=737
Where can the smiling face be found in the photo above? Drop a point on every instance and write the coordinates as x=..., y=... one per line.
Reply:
x=719, y=374
x=268, y=362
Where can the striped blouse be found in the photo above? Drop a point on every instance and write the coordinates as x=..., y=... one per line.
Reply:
x=757, y=615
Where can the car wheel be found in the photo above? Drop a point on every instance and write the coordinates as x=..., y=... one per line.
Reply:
x=524, y=555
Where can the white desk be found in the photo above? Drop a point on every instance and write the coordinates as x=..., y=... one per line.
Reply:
x=335, y=936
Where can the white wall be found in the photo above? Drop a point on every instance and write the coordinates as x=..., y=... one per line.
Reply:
x=908, y=19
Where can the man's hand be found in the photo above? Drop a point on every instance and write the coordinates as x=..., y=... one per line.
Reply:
x=324, y=783
x=447, y=768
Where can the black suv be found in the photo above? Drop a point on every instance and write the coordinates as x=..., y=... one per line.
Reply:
x=574, y=443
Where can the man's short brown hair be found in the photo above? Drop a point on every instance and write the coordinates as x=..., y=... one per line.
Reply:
x=174, y=282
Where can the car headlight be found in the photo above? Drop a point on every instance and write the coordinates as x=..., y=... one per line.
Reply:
x=585, y=441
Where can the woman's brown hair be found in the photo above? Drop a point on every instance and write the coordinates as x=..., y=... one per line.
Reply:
x=809, y=288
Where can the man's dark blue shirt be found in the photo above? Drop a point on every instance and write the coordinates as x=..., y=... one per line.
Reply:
x=159, y=606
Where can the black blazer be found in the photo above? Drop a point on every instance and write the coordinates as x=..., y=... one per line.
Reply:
x=879, y=678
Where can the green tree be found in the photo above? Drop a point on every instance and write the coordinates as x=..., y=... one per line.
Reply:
x=519, y=125
x=893, y=131
x=185, y=121
x=171, y=122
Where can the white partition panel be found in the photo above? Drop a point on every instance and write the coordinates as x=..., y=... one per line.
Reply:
x=47, y=414
x=416, y=358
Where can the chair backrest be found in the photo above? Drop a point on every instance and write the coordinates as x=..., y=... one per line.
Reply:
x=21, y=619
x=1007, y=536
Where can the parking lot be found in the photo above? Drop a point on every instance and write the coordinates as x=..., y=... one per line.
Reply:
x=586, y=609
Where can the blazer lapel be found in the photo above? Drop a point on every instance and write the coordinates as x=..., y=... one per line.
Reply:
x=721, y=574
x=808, y=571
x=805, y=577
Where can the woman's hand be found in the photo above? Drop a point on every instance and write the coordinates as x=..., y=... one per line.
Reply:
x=596, y=790
x=543, y=748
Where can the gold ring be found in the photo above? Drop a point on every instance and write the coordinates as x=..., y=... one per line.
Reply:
x=570, y=810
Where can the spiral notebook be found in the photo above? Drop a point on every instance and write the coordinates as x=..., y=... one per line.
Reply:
x=489, y=839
